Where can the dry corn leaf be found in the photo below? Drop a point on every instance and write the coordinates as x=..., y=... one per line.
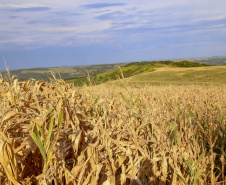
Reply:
x=8, y=161
x=11, y=115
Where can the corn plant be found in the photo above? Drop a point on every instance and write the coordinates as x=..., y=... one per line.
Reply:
x=55, y=133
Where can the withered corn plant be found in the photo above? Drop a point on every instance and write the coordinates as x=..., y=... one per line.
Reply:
x=54, y=133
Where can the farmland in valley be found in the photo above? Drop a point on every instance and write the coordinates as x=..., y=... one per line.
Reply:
x=61, y=72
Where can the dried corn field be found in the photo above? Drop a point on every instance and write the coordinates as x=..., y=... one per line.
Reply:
x=54, y=133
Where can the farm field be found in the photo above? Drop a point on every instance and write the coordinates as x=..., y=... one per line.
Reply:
x=56, y=133
x=170, y=75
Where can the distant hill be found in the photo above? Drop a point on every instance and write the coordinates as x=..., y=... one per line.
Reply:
x=65, y=72
x=215, y=61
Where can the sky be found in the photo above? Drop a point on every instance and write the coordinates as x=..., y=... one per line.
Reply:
x=58, y=33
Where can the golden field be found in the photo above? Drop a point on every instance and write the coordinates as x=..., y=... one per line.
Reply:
x=179, y=75
x=55, y=133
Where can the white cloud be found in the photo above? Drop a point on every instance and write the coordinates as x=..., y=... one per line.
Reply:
x=80, y=28
x=29, y=5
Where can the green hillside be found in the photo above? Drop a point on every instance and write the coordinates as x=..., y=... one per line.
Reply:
x=132, y=69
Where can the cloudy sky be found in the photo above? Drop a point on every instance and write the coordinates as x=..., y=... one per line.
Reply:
x=75, y=32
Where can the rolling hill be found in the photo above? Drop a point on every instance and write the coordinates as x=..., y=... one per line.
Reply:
x=170, y=72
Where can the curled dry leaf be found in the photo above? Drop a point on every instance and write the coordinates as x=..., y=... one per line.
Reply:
x=8, y=161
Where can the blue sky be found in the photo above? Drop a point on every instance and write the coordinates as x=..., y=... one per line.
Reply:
x=74, y=33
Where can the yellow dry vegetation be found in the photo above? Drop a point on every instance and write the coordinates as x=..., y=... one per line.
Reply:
x=33, y=71
x=181, y=69
x=183, y=75
x=57, y=70
x=54, y=133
